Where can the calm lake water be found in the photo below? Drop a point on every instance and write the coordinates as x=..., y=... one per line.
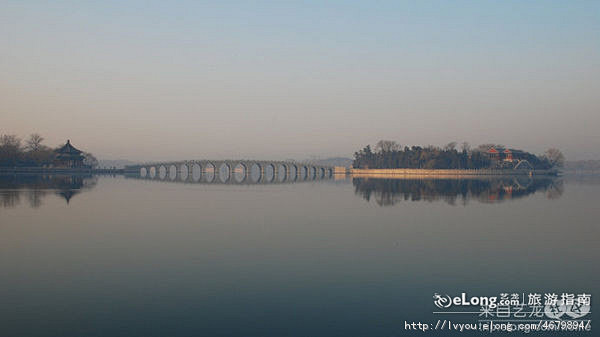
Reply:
x=116, y=256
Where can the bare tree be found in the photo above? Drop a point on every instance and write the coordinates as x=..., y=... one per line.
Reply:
x=34, y=143
x=387, y=146
x=90, y=160
x=465, y=147
x=486, y=147
x=11, y=141
x=10, y=150
x=556, y=158
x=450, y=146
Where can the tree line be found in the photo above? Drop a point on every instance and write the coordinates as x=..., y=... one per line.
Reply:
x=389, y=154
x=14, y=152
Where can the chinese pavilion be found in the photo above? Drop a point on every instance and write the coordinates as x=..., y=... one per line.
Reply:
x=68, y=156
x=493, y=153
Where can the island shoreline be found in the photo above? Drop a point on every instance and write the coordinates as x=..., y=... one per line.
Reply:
x=447, y=172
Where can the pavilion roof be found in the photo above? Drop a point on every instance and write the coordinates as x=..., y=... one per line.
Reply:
x=68, y=149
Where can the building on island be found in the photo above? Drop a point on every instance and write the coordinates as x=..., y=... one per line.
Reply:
x=69, y=157
x=493, y=153
x=508, y=158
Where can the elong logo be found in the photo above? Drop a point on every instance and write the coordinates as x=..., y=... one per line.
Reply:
x=445, y=301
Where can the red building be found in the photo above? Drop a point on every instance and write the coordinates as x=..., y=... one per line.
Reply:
x=493, y=153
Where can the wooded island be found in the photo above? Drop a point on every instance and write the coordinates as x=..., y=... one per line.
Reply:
x=390, y=155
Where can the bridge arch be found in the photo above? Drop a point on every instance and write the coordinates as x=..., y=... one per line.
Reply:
x=224, y=172
x=184, y=172
x=255, y=172
x=292, y=172
x=523, y=165
x=269, y=172
x=172, y=171
x=209, y=172
x=240, y=171
x=162, y=172
x=282, y=172
x=302, y=172
x=196, y=172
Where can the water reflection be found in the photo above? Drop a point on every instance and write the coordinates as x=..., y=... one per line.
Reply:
x=239, y=175
x=582, y=179
x=388, y=192
x=14, y=189
x=34, y=187
x=127, y=257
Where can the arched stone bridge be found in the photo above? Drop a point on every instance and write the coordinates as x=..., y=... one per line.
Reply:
x=231, y=171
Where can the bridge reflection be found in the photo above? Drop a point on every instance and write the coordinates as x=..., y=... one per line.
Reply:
x=231, y=172
x=387, y=192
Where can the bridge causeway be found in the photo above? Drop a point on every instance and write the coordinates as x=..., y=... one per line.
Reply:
x=231, y=171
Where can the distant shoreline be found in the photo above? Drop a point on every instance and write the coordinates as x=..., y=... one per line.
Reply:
x=58, y=170
x=446, y=172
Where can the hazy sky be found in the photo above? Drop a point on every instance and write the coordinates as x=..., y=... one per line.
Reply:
x=165, y=80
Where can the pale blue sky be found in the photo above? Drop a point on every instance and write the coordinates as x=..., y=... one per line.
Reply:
x=182, y=80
